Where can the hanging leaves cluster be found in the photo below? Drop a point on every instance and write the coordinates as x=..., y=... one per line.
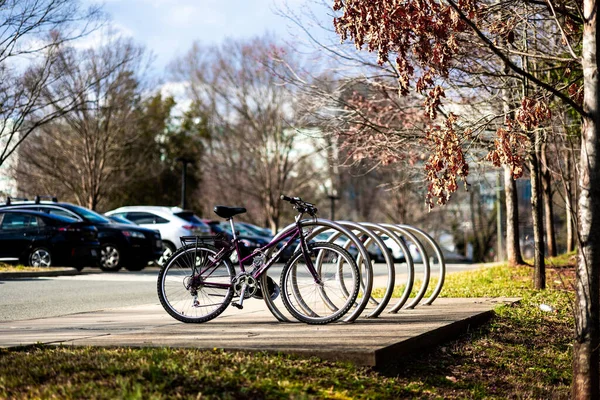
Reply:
x=422, y=35
x=510, y=149
x=417, y=31
x=447, y=162
x=512, y=141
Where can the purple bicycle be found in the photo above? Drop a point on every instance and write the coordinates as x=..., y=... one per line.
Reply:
x=319, y=283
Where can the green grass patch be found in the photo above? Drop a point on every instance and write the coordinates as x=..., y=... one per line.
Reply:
x=566, y=260
x=4, y=267
x=497, y=281
x=500, y=281
x=523, y=352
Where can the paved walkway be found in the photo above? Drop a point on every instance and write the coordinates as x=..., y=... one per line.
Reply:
x=370, y=342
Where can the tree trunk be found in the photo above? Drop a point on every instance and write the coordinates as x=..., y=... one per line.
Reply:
x=569, y=204
x=513, y=249
x=539, y=277
x=273, y=211
x=586, y=374
x=546, y=179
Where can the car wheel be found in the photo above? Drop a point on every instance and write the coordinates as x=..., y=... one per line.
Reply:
x=110, y=258
x=169, y=246
x=40, y=257
x=168, y=250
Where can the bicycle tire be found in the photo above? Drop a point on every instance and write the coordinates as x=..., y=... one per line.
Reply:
x=313, y=303
x=175, y=274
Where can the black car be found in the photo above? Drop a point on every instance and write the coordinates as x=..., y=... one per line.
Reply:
x=43, y=240
x=121, y=245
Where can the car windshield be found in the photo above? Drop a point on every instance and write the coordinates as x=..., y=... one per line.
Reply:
x=225, y=226
x=89, y=215
x=241, y=229
x=189, y=217
x=253, y=229
x=64, y=218
x=121, y=220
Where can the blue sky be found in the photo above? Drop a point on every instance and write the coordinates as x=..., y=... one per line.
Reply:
x=169, y=27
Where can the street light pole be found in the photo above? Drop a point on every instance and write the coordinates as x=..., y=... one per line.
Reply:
x=184, y=162
x=333, y=198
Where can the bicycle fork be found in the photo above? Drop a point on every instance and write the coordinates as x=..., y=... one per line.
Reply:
x=306, y=255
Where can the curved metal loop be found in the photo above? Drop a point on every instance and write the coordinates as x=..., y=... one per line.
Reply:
x=327, y=224
x=426, y=270
x=372, y=236
x=410, y=266
x=442, y=262
x=367, y=265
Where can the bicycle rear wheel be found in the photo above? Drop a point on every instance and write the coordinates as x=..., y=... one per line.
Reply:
x=325, y=301
x=192, y=287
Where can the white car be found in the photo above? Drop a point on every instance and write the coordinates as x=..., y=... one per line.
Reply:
x=397, y=252
x=171, y=222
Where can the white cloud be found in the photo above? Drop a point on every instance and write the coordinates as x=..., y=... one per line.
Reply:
x=99, y=37
x=179, y=92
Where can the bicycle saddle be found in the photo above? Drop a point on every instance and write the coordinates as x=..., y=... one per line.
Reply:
x=228, y=212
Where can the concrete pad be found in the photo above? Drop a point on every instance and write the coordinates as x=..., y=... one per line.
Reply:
x=372, y=342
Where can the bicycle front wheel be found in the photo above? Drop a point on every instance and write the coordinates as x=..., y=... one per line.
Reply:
x=193, y=286
x=327, y=297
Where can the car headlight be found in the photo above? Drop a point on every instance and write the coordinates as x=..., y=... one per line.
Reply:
x=134, y=234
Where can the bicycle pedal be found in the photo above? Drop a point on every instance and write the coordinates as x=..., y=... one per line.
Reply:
x=238, y=306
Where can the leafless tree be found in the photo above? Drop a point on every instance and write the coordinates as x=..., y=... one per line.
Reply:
x=83, y=152
x=256, y=151
x=31, y=35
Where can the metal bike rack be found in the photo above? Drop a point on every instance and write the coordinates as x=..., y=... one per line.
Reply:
x=373, y=232
x=356, y=227
x=440, y=257
x=327, y=224
x=409, y=262
x=426, y=269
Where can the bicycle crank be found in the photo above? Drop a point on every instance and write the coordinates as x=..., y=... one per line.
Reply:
x=245, y=286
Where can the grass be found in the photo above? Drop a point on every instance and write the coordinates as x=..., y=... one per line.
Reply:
x=523, y=352
x=497, y=281
x=4, y=267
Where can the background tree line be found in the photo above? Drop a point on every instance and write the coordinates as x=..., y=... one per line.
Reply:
x=115, y=136
x=260, y=119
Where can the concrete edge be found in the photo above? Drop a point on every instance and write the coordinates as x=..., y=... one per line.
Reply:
x=38, y=274
x=389, y=354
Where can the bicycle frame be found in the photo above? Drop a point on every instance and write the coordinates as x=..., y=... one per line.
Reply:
x=257, y=272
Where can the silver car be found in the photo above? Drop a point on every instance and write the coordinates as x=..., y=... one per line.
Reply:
x=171, y=222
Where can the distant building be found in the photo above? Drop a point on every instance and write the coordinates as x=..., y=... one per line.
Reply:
x=8, y=185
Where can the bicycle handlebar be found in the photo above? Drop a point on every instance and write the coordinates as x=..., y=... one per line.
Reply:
x=290, y=199
x=300, y=205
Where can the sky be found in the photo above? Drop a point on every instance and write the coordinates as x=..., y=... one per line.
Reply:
x=169, y=27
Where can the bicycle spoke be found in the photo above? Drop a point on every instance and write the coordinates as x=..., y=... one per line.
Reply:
x=184, y=290
x=328, y=298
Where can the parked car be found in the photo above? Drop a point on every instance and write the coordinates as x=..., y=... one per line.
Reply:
x=257, y=230
x=44, y=240
x=171, y=222
x=249, y=241
x=120, y=220
x=396, y=251
x=373, y=249
x=121, y=245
